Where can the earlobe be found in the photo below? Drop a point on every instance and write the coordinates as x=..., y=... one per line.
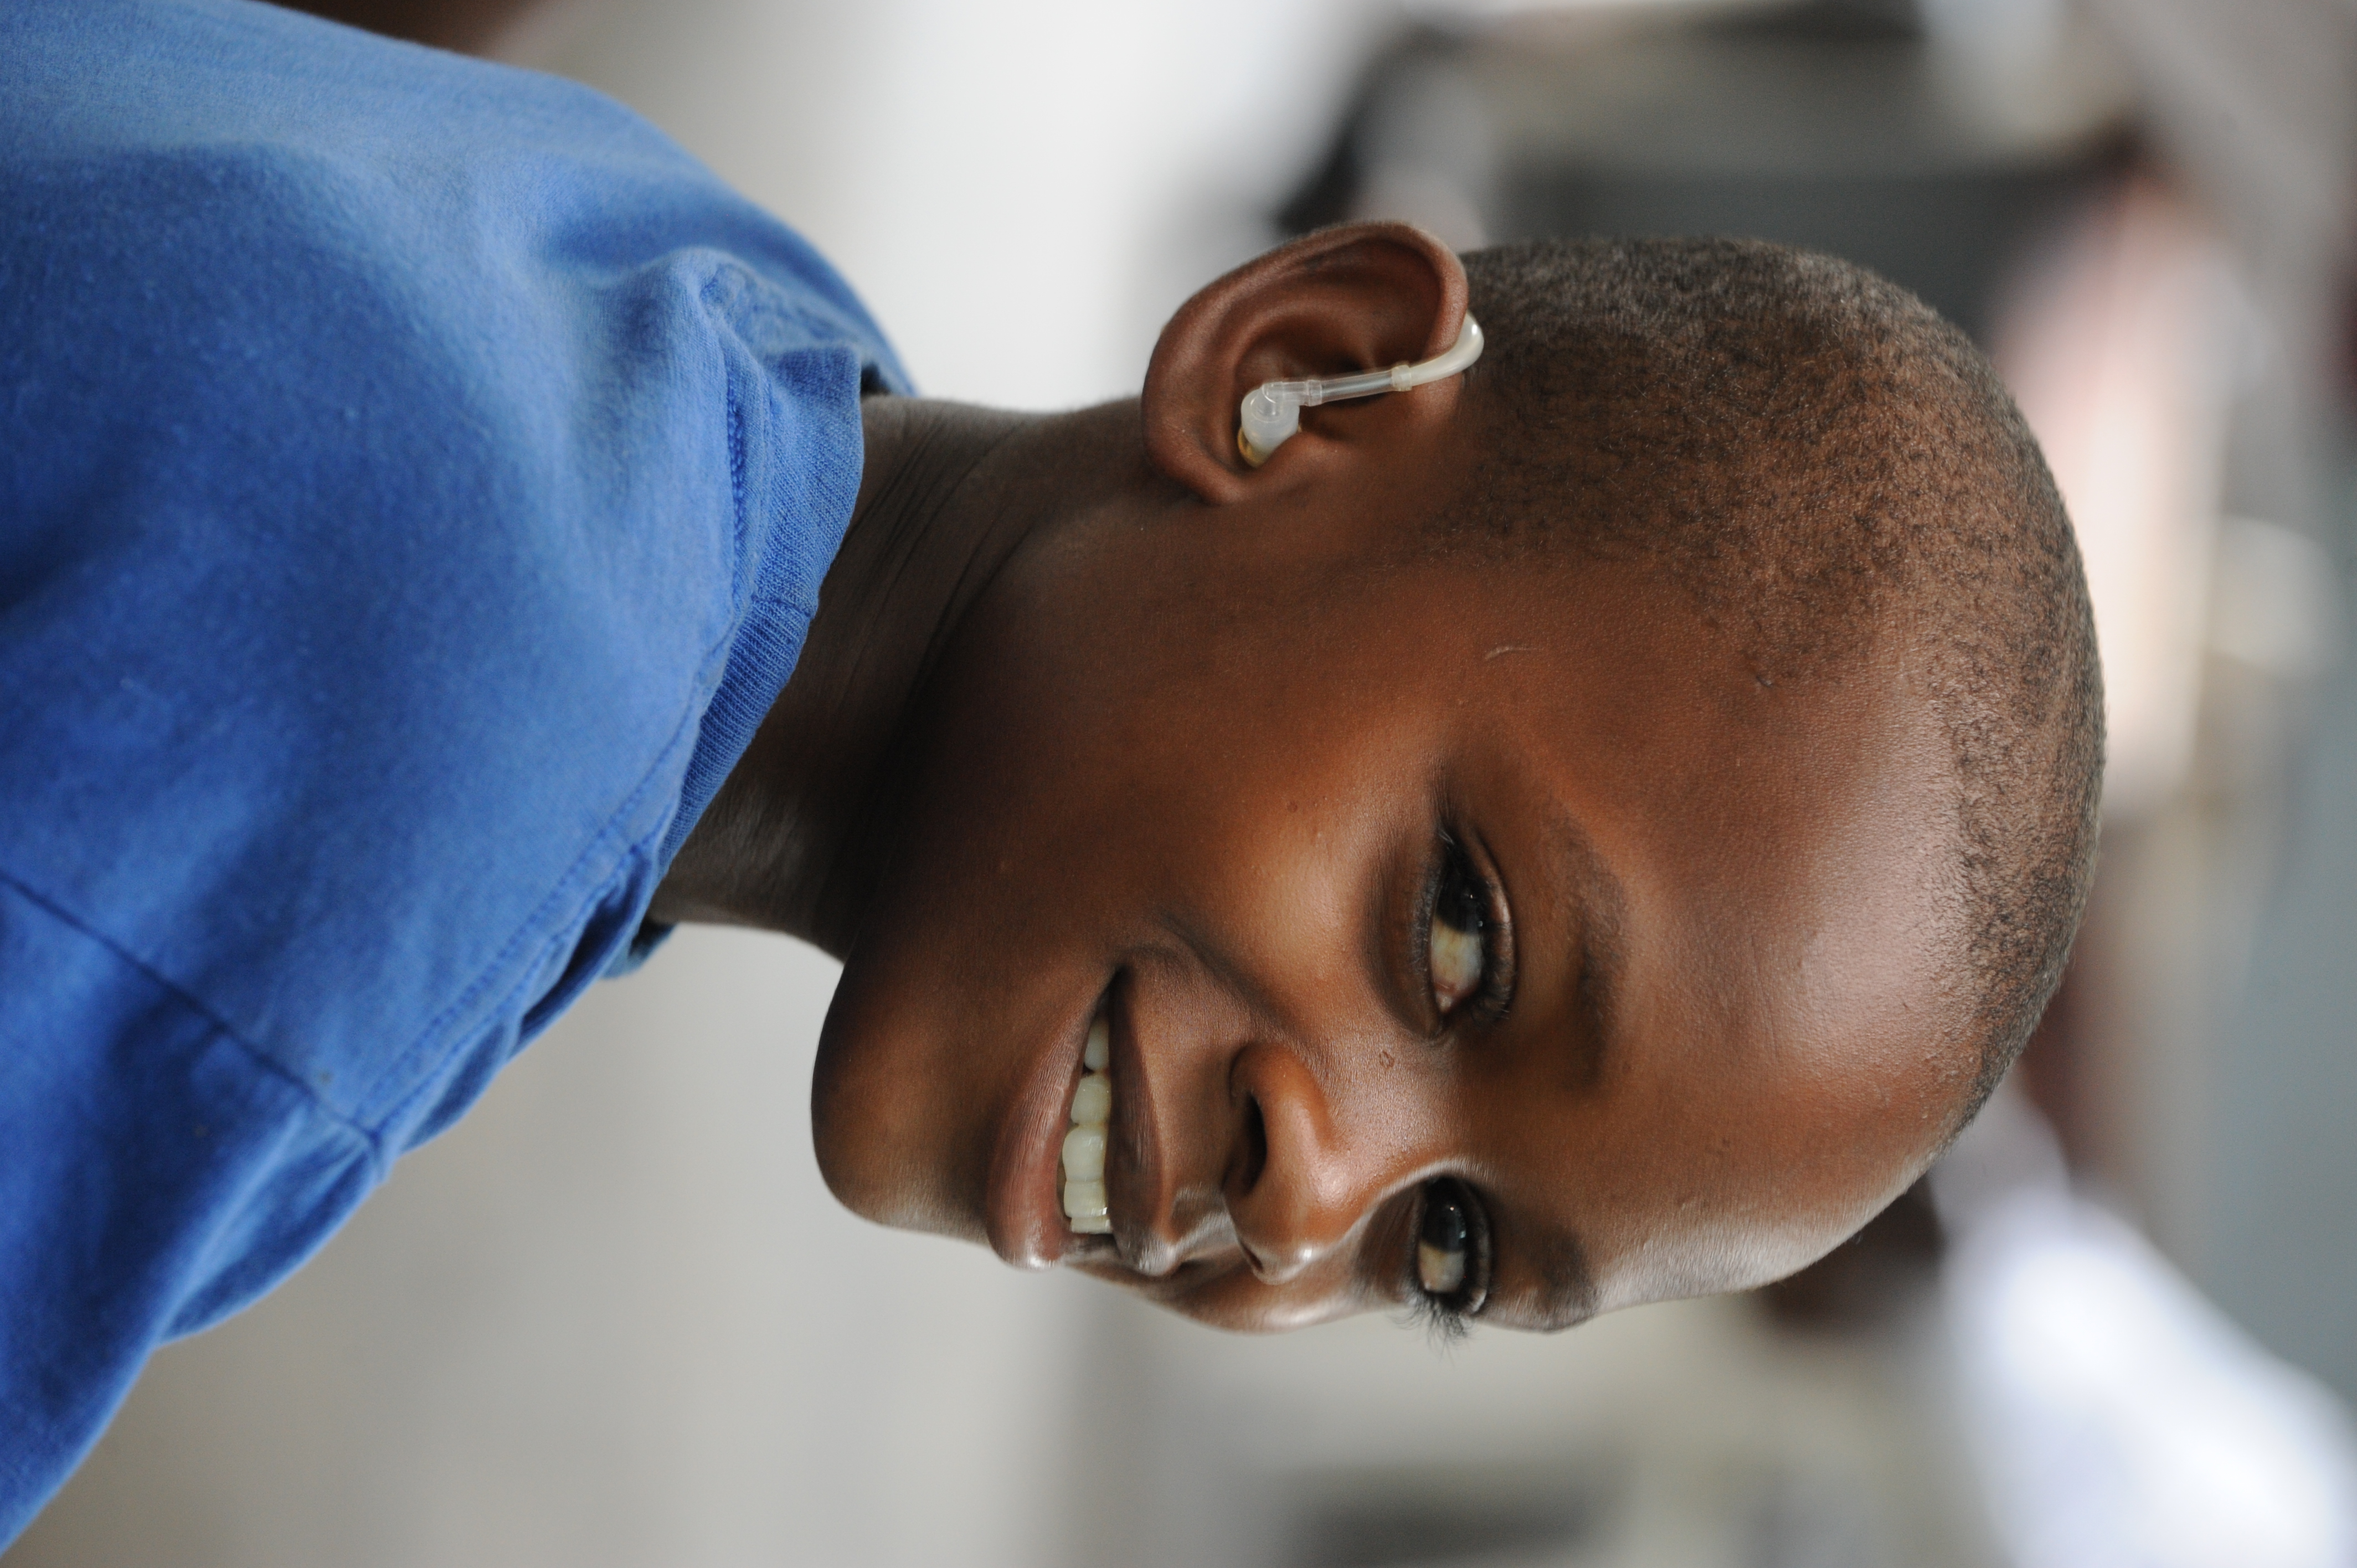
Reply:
x=1357, y=298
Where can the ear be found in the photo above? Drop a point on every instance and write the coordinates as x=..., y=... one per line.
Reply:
x=1359, y=296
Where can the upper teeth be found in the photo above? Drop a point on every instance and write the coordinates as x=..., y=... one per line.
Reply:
x=1084, y=1140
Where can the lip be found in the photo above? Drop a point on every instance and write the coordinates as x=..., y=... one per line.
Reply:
x=1023, y=1206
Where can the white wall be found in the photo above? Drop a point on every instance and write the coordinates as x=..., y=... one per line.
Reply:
x=1021, y=189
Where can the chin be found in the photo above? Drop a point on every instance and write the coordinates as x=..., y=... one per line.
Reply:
x=868, y=1138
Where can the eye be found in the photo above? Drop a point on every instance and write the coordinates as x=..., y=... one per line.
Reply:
x=1441, y=1242
x=1451, y=1253
x=1457, y=948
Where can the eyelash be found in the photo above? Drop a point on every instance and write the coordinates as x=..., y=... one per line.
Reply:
x=1444, y=1325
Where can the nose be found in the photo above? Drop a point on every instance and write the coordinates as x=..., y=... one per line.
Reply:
x=1295, y=1187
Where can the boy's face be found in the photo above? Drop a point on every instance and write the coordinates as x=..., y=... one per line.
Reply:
x=1208, y=770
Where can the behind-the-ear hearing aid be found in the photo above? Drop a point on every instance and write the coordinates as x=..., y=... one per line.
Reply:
x=1271, y=411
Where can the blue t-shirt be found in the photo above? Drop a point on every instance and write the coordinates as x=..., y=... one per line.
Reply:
x=415, y=481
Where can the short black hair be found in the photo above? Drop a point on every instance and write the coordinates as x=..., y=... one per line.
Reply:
x=1808, y=450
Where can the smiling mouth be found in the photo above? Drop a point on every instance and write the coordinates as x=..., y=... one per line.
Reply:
x=1083, y=1161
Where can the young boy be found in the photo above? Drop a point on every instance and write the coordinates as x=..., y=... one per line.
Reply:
x=1583, y=830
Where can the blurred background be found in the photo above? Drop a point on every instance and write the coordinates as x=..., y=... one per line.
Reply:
x=614, y=1318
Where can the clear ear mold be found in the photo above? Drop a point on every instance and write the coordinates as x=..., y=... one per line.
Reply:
x=1271, y=411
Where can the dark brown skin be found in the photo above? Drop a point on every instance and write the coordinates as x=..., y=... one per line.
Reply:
x=1094, y=714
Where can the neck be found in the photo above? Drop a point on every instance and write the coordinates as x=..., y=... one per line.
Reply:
x=948, y=495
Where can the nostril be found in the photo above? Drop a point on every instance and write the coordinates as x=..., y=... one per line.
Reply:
x=1255, y=1146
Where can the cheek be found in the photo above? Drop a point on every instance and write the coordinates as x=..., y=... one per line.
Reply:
x=971, y=953
x=1068, y=782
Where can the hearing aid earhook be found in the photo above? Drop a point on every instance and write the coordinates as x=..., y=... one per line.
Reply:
x=1271, y=411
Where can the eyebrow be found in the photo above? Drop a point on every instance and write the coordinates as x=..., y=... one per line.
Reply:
x=1603, y=904
x=1568, y=1294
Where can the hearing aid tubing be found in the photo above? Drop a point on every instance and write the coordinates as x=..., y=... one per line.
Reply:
x=1272, y=412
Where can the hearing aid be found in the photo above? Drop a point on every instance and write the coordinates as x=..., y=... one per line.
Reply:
x=1271, y=411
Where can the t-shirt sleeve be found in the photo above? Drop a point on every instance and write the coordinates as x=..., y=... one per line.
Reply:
x=124, y=1218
